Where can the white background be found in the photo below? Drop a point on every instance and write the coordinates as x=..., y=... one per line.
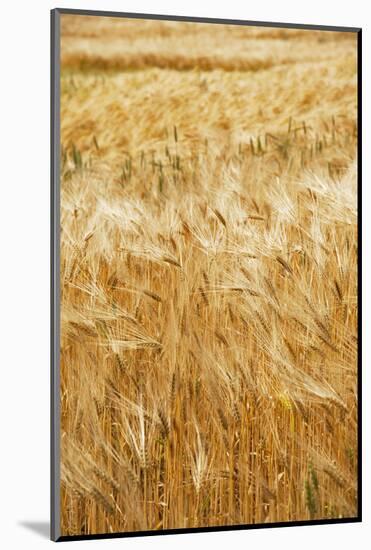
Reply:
x=24, y=270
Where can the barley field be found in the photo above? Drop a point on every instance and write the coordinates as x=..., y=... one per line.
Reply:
x=208, y=275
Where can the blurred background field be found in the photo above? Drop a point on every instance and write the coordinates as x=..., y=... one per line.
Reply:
x=129, y=82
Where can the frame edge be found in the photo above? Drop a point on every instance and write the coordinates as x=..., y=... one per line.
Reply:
x=54, y=274
x=195, y=19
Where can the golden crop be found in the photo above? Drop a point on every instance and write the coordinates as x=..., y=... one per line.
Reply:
x=208, y=275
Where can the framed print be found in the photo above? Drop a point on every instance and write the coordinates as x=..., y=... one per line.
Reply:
x=205, y=302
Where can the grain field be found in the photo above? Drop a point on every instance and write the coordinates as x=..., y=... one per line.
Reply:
x=208, y=275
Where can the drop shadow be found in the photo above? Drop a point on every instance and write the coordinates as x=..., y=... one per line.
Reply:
x=41, y=528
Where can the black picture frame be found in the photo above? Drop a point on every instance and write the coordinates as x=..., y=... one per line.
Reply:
x=56, y=13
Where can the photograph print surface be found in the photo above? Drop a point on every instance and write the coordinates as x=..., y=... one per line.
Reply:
x=208, y=275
